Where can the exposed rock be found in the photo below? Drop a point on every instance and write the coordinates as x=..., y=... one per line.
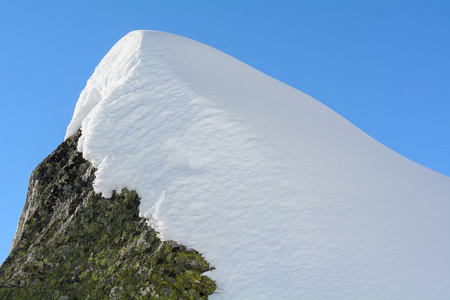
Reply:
x=72, y=243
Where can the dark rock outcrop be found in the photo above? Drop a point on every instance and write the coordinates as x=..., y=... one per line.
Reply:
x=72, y=243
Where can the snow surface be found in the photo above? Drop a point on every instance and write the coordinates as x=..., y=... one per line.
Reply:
x=286, y=198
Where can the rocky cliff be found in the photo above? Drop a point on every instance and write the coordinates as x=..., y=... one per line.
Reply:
x=72, y=243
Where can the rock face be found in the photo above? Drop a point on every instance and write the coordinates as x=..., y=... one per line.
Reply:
x=72, y=243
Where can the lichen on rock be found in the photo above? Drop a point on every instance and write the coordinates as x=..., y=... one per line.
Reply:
x=72, y=243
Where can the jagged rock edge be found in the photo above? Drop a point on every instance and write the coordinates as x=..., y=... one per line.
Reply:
x=16, y=273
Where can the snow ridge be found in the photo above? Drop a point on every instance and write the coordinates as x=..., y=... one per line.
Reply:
x=283, y=196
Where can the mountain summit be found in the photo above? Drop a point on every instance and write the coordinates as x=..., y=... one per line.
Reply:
x=284, y=197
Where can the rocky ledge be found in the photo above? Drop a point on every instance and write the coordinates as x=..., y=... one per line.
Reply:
x=72, y=243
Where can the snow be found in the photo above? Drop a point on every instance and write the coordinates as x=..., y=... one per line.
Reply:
x=286, y=198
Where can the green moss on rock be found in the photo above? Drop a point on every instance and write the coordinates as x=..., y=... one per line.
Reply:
x=72, y=243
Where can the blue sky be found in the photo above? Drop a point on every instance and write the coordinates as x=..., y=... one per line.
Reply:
x=383, y=65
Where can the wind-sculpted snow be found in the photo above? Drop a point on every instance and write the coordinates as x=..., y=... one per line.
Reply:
x=283, y=196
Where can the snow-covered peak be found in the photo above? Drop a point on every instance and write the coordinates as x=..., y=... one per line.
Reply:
x=283, y=196
x=112, y=72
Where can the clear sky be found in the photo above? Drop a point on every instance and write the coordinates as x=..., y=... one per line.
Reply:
x=383, y=65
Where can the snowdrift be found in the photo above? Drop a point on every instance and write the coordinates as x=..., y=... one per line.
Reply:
x=286, y=198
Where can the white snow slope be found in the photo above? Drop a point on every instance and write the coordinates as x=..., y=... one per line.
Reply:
x=286, y=198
